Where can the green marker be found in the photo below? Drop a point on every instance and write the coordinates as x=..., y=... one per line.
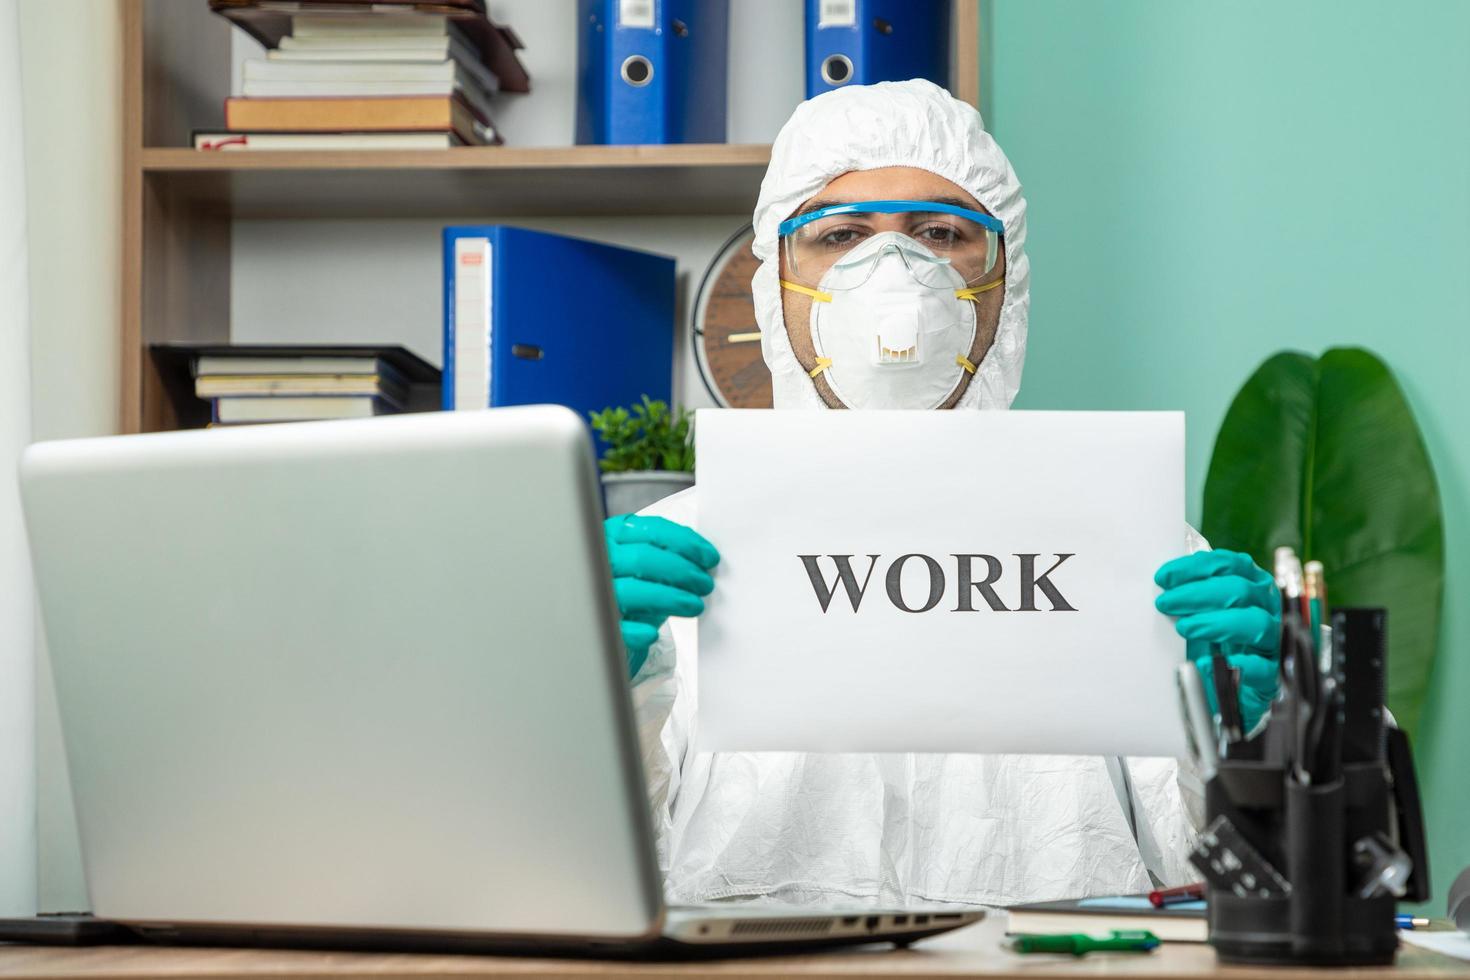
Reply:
x=1129, y=941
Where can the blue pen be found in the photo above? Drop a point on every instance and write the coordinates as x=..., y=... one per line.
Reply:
x=1410, y=922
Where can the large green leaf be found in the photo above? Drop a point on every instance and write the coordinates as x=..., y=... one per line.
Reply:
x=1324, y=455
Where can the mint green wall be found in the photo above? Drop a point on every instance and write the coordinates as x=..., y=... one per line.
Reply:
x=1211, y=182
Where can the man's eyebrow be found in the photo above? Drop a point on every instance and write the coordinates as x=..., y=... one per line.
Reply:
x=817, y=205
x=958, y=202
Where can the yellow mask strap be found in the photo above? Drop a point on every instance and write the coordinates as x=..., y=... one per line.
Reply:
x=965, y=363
x=822, y=297
x=823, y=363
x=977, y=290
x=815, y=294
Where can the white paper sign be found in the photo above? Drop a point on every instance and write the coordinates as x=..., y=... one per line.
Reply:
x=997, y=594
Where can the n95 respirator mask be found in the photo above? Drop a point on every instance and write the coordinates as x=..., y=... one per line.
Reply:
x=892, y=325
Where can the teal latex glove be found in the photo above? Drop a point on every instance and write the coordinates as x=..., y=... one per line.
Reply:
x=1224, y=597
x=660, y=568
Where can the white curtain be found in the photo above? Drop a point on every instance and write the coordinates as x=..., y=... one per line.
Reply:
x=17, y=611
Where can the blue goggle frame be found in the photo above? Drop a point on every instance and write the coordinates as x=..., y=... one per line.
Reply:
x=889, y=207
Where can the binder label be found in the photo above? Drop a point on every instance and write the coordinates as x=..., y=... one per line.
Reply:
x=636, y=13
x=471, y=323
x=837, y=13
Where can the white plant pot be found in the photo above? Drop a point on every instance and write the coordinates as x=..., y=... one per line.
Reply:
x=628, y=493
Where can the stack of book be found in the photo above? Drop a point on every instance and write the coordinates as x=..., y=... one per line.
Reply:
x=244, y=389
x=367, y=76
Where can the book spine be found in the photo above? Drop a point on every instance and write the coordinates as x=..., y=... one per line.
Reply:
x=327, y=114
x=468, y=325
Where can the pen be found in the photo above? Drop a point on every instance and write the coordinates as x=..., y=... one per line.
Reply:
x=1226, y=699
x=1316, y=589
x=1410, y=922
x=1320, y=613
x=1287, y=570
x=1165, y=897
x=1199, y=724
x=1132, y=941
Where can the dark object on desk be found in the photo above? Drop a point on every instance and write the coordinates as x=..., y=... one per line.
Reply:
x=65, y=929
x=175, y=364
x=1317, y=816
x=497, y=44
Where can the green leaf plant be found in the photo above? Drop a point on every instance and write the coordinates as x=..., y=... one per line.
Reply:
x=647, y=436
x=1324, y=455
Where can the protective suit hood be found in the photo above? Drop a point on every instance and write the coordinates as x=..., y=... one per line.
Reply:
x=890, y=124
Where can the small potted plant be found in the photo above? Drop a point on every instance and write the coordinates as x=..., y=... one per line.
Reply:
x=649, y=454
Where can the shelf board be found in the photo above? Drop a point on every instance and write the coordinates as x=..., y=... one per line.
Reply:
x=464, y=181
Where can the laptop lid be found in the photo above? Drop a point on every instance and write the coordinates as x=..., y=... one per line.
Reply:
x=345, y=674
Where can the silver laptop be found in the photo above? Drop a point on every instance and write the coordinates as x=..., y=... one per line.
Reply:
x=360, y=683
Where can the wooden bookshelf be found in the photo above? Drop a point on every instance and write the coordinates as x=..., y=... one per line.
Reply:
x=179, y=203
x=701, y=179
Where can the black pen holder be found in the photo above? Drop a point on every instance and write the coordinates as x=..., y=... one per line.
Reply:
x=1306, y=832
x=1313, y=838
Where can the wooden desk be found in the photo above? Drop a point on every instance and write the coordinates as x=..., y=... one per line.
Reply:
x=974, y=951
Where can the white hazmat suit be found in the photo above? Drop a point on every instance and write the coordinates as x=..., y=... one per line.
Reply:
x=893, y=830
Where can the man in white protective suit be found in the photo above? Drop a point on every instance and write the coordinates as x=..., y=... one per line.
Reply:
x=881, y=198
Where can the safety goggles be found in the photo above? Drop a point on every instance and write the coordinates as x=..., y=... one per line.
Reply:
x=965, y=240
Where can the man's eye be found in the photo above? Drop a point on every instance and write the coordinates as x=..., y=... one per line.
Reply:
x=839, y=237
x=939, y=235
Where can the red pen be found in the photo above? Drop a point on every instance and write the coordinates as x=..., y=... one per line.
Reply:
x=1165, y=897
